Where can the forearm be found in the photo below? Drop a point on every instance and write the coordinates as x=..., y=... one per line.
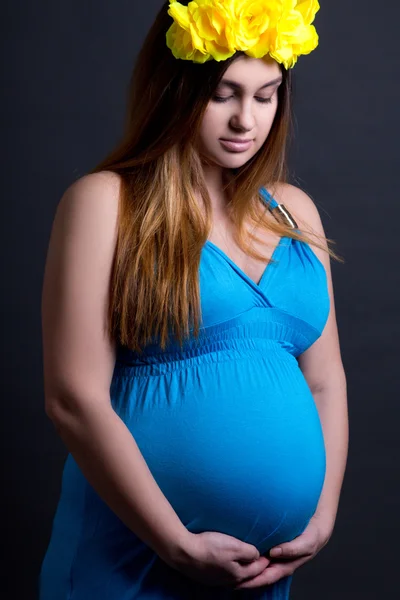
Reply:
x=111, y=461
x=332, y=409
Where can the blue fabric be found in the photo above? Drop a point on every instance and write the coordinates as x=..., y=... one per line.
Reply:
x=228, y=427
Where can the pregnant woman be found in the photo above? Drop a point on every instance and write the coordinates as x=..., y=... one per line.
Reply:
x=191, y=354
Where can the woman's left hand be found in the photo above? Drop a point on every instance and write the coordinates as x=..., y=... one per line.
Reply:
x=294, y=554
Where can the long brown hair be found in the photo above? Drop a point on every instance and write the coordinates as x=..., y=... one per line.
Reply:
x=154, y=288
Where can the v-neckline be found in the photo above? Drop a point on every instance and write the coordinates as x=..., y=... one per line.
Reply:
x=258, y=285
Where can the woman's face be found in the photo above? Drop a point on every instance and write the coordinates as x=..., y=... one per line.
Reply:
x=242, y=107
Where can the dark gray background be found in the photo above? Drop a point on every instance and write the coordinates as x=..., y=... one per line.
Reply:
x=66, y=67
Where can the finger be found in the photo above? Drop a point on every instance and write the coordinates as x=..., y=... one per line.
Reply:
x=304, y=544
x=272, y=574
x=248, y=552
x=253, y=569
x=292, y=549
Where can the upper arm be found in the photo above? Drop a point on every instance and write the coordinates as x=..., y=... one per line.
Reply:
x=78, y=356
x=321, y=364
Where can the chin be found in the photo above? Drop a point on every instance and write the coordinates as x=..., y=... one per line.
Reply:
x=233, y=161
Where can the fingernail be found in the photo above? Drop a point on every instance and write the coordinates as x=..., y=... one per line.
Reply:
x=275, y=552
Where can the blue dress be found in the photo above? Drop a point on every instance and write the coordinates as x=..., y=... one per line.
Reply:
x=228, y=427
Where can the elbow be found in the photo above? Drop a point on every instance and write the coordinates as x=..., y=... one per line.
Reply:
x=335, y=386
x=334, y=381
x=63, y=409
x=66, y=411
x=57, y=411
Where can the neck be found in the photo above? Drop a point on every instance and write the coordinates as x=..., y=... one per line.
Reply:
x=216, y=178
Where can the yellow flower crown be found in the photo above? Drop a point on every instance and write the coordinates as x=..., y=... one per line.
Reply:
x=215, y=29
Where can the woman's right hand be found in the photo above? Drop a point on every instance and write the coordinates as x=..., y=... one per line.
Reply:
x=217, y=559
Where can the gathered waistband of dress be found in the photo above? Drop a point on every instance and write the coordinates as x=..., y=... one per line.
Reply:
x=215, y=351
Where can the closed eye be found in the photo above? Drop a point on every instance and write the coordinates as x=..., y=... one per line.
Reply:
x=225, y=99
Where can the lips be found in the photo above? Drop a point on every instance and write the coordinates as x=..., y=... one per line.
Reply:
x=237, y=140
x=236, y=146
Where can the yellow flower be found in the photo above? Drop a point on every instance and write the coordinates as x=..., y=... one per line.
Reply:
x=216, y=29
x=207, y=23
x=294, y=34
x=254, y=23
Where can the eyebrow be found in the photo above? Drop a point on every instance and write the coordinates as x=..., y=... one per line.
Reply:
x=238, y=86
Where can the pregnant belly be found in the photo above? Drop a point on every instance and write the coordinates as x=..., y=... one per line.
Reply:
x=235, y=446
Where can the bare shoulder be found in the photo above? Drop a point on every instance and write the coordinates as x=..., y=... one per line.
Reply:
x=103, y=186
x=305, y=212
x=89, y=206
x=300, y=205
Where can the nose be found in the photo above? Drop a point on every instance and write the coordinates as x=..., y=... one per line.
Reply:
x=243, y=116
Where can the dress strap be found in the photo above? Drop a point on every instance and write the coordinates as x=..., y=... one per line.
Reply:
x=269, y=200
x=279, y=211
